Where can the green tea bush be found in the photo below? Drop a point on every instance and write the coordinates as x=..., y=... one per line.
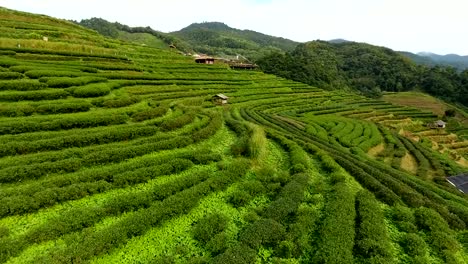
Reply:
x=149, y=114
x=178, y=122
x=138, y=223
x=372, y=240
x=62, y=108
x=120, y=102
x=61, y=122
x=78, y=140
x=206, y=228
x=265, y=232
x=337, y=232
x=33, y=95
x=413, y=245
x=10, y=75
x=36, y=74
x=21, y=85
x=17, y=110
x=64, y=82
x=239, y=254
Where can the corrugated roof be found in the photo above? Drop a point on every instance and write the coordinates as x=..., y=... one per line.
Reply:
x=440, y=123
x=460, y=182
x=222, y=96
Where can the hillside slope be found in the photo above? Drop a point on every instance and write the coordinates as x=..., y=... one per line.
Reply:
x=114, y=152
x=138, y=35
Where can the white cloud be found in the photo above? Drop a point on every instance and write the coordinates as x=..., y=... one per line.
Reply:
x=416, y=25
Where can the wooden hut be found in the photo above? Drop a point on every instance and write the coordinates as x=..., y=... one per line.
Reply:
x=220, y=99
x=205, y=60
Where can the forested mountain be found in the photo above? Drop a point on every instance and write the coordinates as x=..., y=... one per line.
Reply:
x=211, y=38
x=431, y=59
x=220, y=39
x=365, y=68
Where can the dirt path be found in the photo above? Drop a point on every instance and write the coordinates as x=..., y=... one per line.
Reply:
x=409, y=163
x=373, y=152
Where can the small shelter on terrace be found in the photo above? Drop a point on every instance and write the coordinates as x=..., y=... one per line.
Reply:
x=220, y=99
x=205, y=60
x=437, y=124
x=460, y=182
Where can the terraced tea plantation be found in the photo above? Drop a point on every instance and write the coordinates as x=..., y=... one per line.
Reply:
x=113, y=152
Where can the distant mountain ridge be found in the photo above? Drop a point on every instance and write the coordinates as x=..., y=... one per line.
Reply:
x=218, y=39
x=431, y=59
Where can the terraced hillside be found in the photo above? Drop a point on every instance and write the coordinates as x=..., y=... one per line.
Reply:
x=115, y=153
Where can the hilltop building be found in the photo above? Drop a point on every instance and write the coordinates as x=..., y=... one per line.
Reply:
x=205, y=60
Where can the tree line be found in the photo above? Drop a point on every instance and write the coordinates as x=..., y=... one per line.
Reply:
x=367, y=69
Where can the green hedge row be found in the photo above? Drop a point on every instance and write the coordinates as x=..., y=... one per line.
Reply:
x=62, y=122
x=105, y=155
x=400, y=183
x=77, y=140
x=439, y=236
x=88, y=182
x=372, y=239
x=64, y=82
x=77, y=219
x=10, y=75
x=36, y=74
x=21, y=85
x=17, y=110
x=91, y=90
x=13, y=96
x=337, y=231
x=149, y=114
x=86, y=246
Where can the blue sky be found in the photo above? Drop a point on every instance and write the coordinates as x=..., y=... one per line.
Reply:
x=410, y=25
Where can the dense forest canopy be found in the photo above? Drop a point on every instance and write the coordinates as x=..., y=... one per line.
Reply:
x=365, y=68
